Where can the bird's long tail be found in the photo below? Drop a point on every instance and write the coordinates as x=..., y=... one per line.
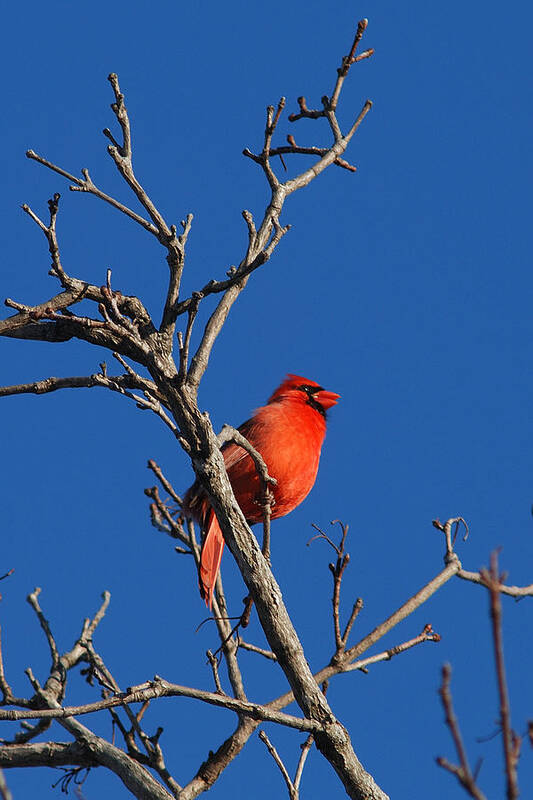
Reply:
x=210, y=558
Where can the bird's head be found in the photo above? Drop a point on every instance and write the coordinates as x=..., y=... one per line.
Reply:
x=294, y=387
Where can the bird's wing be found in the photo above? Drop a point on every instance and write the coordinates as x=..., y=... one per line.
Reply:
x=232, y=452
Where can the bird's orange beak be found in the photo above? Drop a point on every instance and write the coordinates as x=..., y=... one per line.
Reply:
x=326, y=399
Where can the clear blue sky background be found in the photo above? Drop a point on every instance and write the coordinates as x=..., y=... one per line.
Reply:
x=406, y=287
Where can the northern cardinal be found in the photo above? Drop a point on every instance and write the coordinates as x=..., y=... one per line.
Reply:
x=288, y=432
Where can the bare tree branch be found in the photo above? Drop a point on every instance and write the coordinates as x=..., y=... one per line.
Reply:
x=116, y=384
x=167, y=486
x=87, y=185
x=154, y=755
x=338, y=666
x=228, y=645
x=511, y=741
x=8, y=698
x=281, y=766
x=427, y=635
x=217, y=761
x=34, y=603
x=254, y=649
x=161, y=688
x=134, y=776
x=46, y=754
x=5, y=794
x=461, y=772
x=260, y=248
x=305, y=747
x=511, y=591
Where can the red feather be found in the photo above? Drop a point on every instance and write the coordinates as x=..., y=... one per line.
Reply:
x=288, y=432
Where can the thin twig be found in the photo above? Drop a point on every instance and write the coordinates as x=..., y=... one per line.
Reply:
x=52, y=384
x=216, y=677
x=511, y=591
x=406, y=609
x=347, y=62
x=161, y=688
x=306, y=748
x=76, y=290
x=337, y=571
x=427, y=635
x=8, y=697
x=270, y=232
x=293, y=149
x=254, y=649
x=511, y=741
x=167, y=486
x=268, y=237
x=154, y=754
x=184, y=349
x=462, y=771
x=175, y=526
x=90, y=626
x=281, y=766
x=87, y=185
x=357, y=606
x=450, y=537
x=32, y=599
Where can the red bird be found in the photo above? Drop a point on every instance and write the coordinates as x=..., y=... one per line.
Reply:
x=288, y=432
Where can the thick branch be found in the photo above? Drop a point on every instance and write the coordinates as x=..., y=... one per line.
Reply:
x=94, y=750
x=28, y=316
x=134, y=777
x=217, y=761
x=38, y=331
x=65, y=325
x=331, y=738
x=46, y=754
x=230, y=434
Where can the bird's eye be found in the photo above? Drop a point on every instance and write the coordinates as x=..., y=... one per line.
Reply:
x=310, y=390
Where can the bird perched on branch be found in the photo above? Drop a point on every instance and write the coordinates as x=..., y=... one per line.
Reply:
x=288, y=433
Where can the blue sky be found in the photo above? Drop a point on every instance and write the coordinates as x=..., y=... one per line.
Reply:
x=406, y=287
